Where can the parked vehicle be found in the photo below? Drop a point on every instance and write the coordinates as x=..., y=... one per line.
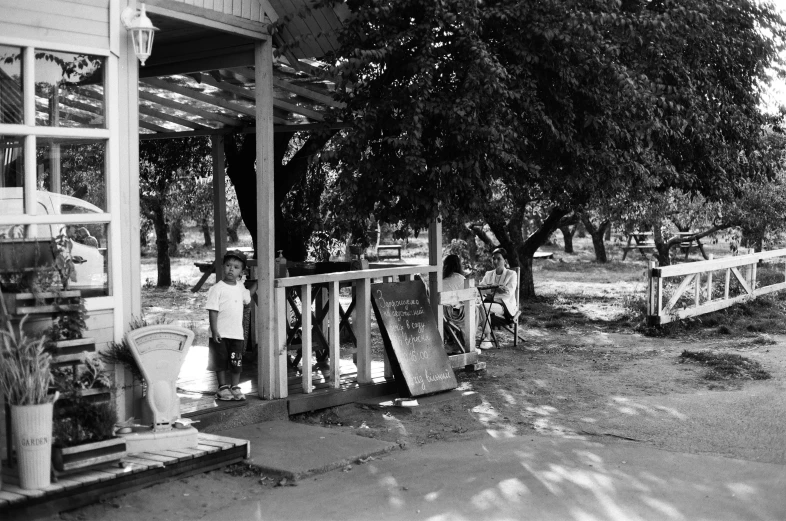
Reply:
x=91, y=274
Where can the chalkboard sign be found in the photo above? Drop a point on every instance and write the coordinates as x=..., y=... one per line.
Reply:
x=411, y=338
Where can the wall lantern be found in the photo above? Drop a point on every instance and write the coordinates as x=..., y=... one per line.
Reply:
x=142, y=31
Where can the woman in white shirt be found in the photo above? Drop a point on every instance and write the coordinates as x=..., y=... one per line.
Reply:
x=505, y=296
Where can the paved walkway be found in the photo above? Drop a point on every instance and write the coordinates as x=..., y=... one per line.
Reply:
x=530, y=477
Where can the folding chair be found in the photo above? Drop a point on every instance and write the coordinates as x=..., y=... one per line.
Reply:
x=510, y=323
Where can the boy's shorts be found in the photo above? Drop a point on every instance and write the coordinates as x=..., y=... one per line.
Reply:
x=225, y=356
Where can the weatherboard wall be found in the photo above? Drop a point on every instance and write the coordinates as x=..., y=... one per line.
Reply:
x=82, y=23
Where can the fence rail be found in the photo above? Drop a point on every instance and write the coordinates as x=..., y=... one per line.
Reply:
x=323, y=291
x=740, y=271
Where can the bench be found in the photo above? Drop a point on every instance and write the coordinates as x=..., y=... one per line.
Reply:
x=392, y=247
x=207, y=267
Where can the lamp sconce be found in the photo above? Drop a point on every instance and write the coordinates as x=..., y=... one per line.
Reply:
x=142, y=31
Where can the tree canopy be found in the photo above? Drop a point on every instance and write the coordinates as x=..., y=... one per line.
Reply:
x=485, y=109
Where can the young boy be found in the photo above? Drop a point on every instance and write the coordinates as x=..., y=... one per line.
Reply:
x=225, y=302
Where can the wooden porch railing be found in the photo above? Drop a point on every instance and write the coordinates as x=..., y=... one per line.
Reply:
x=330, y=326
x=700, y=277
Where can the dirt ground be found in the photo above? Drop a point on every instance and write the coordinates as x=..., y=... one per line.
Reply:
x=586, y=369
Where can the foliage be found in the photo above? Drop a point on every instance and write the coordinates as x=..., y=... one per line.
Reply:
x=70, y=324
x=64, y=261
x=166, y=171
x=80, y=421
x=724, y=366
x=499, y=108
x=24, y=366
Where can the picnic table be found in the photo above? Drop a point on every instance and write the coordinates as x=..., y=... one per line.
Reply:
x=687, y=243
x=208, y=266
x=642, y=241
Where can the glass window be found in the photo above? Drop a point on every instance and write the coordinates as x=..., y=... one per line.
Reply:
x=69, y=90
x=73, y=174
x=12, y=163
x=11, y=105
x=27, y=262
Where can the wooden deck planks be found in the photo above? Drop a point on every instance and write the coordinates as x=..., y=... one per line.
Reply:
x=139, y=470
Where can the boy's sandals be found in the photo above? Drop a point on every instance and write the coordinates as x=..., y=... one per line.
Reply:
x=237, y=394
x=224, y=394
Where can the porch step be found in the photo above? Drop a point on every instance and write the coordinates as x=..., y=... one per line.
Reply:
x=293, y=450
x=228, y=415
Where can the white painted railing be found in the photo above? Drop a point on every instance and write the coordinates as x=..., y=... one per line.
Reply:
x=700, y=277
x=361, y=325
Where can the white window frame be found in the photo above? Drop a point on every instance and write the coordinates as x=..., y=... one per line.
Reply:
x=31, y=133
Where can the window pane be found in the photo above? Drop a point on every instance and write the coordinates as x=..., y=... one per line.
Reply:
x=69, y=90
x=71, y=174
x=30, y=263
x=12, y=165
x=11, y=85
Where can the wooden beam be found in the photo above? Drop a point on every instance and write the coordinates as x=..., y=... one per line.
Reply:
x=272, y=376
x=208, y=18
x=234, y=59
x=303, y=127
x=308, y=93
x=206, y=98
x=152, y=126
x=172, y=104
x=219, y=202
x=249, y=94
x=169, y=117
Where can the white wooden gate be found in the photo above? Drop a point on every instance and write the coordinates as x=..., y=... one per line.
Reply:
x=739, y=284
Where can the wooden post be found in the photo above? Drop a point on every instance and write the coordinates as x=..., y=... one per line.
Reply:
x=650, y=288
x=435, y=279
x=726, y=290
x=305, y=336
x=752, y=274
x=270, y=376
x=697, y=289
x=709, y=280
x=219, y=203
x=333, y=339
x=470, y=323
x=363, y=329
x=279, y=348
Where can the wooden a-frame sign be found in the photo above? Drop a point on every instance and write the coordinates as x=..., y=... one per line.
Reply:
x=412, y=341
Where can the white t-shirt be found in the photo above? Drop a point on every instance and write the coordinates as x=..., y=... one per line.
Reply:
x=228, y=301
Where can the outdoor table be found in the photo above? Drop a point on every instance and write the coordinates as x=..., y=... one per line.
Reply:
x=487, y=309
x=208, y=267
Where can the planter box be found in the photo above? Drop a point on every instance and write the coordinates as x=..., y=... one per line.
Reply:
x=20, y=255
x=70, y=351
x=80, y=457
x=41, y=303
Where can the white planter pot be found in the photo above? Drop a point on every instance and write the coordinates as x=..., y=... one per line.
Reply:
x=32, y=431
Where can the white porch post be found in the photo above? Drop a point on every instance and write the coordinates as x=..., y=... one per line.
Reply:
x=435, y=259
x=269, y=370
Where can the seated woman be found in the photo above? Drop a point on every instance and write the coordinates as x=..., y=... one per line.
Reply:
x=505, y=296
x=452, y=280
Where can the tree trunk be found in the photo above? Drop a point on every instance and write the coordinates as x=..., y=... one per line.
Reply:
x=175, y=237
x=529, y=246
x=206, y=233
x=162, y=246
x=232, y=229
x=567, y=236
x=662, y=248
x=242, y=172
x=597, y=233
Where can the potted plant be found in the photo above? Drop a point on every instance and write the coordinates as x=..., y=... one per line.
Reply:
x=83, y=432
x=25, y=379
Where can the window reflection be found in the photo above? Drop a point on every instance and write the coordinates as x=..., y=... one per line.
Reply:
x=12, y=162
x=26, y=261
x=74, y=168
x=11, y=104
x=69, y=90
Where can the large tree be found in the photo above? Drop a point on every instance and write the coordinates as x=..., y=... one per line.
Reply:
x=489, y=109
x=166, y=169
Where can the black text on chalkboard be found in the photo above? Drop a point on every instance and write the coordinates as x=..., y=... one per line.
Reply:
x=412, y=341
